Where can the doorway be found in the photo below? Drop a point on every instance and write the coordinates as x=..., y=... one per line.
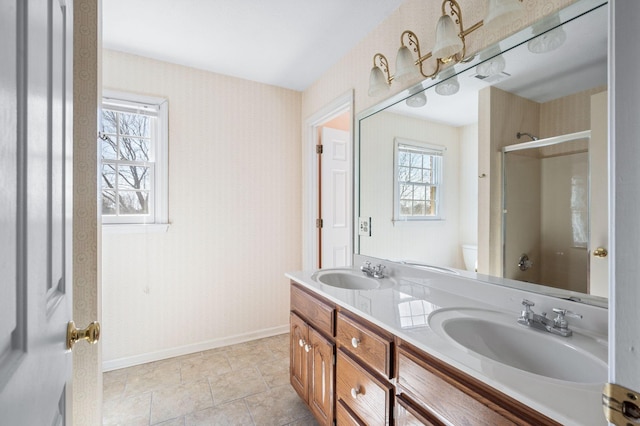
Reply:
x=328, y=197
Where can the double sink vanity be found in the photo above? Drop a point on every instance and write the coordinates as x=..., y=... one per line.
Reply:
x=398, y=344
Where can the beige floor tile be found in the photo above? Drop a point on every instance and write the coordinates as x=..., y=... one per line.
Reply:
x=113, y=384
x=131, y=411
x=275, y=373
x=173, y=422
x=307, y=421
x=175, y=401
x=278, y=406
x=207, y=366
x=237, y=384
x=149, y=379
x=230, y=414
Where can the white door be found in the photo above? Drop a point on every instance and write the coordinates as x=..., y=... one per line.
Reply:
x=35, y=211
x=624, y=136
x=335, y=199
x=599, y=193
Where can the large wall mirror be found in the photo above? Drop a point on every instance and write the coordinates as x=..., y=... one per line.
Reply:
x=498, y=166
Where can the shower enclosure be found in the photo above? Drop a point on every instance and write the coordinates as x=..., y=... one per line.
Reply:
x=546, y=211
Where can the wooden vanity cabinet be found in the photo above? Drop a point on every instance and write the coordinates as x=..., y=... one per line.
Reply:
x=363, y=370
x=312, y=353
x=433, y=392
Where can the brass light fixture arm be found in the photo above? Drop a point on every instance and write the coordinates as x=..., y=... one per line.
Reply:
x=379, y=60
x=414, y=44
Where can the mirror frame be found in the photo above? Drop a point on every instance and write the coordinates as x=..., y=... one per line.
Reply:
x=565, y=15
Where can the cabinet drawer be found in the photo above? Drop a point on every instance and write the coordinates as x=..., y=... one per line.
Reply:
x=315, y=311
x=368, y=397
x=408, y=415
x=344, y=417
x=370, y=347
x=444, y=392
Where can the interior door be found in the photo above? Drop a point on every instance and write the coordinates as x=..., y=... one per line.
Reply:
x=335, y=199
x=599, y=194
x=35, y=211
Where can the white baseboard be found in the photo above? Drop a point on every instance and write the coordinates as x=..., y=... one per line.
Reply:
x=115, y=364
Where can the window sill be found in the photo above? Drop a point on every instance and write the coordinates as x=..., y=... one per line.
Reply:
x=134, y=228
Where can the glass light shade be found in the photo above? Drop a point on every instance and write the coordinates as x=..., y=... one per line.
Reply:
x=378, y=83
x=406, y=68
x=548, y=41
x=416, y=101
x=491, y=67
x=447, y=41
x=501, y=12
x=448, y=87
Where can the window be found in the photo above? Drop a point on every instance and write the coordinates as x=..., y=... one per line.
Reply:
x=133, y=167
x=418, y=180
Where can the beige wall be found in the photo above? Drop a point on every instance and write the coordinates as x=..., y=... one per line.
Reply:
x=432, y=241
x=216, y=276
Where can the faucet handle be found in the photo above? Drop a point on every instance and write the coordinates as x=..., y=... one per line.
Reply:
x=527, y=313
x=560, y=321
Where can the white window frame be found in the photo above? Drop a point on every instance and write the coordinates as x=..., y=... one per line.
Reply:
x=158, y=219
x=437, y=150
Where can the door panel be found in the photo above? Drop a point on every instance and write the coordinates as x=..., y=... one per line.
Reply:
x=35, y=211
x=335, y=198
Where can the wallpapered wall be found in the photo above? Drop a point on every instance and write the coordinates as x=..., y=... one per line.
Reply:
x=87, y=377
x=217, y=275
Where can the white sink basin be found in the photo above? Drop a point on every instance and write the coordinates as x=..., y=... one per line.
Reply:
x=351, y=279
x=498, y=336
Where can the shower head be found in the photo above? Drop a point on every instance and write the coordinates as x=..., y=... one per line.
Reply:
x=520, y=134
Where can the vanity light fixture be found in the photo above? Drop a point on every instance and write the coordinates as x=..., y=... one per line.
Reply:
x=450, y=46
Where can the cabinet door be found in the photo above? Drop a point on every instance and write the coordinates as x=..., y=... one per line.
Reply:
x=321, y=377
x=408, y=415
x=299, y=336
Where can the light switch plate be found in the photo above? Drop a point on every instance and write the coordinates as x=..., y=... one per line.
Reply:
x=364, y=226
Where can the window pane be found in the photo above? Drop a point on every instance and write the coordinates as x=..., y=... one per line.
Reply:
x=108, y=202
x=415, y=175
x=134, y=149
x=108, y=178
x=403, y=158
x=133, y=177
x=134, y=125
x=405, y=207
x=109, y=121
x=403, y=174
x=416, y=160
x=427, y=176
x=418, y=208
x=108, y=147
x=134, y=202
x=419, y=193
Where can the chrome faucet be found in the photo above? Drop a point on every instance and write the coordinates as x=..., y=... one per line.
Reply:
x=558, y=325
x=373, y=271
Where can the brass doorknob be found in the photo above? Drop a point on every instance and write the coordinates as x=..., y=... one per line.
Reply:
x=91, y=334
x=600, y=252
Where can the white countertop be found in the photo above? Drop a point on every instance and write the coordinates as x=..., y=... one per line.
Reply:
x=404, y=309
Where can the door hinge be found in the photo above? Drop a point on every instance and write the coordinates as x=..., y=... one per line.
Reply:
x=319, y=149
x=319, y=223
x=620, y=405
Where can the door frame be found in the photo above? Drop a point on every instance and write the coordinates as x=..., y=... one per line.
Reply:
x=310, y=173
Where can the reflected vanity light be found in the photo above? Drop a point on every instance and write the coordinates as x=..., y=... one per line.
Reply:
x=492, y=63
x=416, y=101
x=448, y=87
x=450, y=46
x=549, y=40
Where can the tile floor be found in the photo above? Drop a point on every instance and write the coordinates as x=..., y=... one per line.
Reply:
x=244, y=384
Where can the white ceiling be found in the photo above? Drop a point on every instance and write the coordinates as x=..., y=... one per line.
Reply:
x=286, y=43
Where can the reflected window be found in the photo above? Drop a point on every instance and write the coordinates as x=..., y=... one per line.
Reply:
x=418, y=180
x=413, y=312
